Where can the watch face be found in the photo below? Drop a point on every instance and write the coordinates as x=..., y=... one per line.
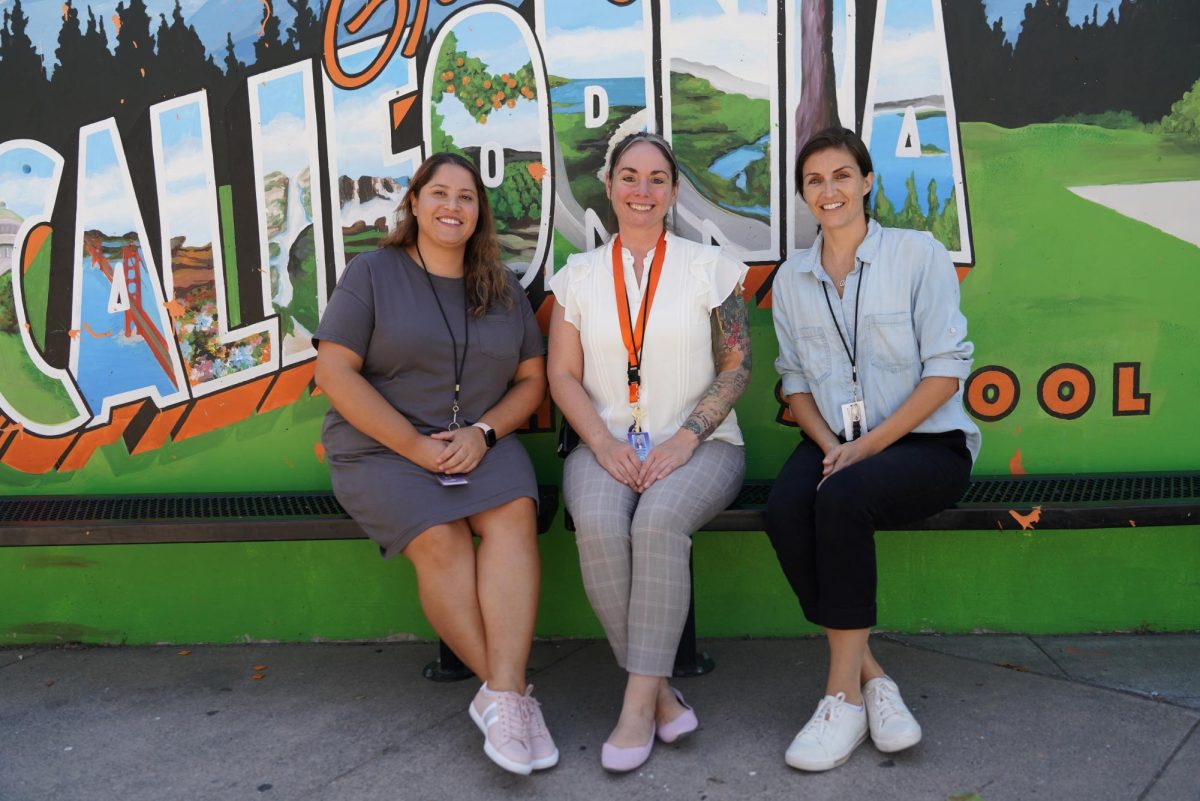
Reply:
x=489, y=437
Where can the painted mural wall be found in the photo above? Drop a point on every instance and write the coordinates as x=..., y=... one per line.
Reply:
x=182, y=183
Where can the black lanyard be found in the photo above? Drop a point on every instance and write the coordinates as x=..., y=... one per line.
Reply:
x=852, y=348
x=459, y=364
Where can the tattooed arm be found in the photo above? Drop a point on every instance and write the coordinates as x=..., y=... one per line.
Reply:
x=731, y=354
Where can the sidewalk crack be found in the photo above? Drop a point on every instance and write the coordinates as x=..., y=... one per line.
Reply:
x=1163, y=768
x=1053, y=661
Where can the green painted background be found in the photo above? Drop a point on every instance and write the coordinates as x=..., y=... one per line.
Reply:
x=1057, y=279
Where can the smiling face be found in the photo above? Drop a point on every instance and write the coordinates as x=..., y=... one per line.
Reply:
x=835, y=189
x=446, y=208
x=640, y=188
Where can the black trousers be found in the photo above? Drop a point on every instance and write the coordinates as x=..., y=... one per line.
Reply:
x=825, y=539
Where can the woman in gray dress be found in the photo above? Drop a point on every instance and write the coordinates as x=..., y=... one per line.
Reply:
x=431, y=357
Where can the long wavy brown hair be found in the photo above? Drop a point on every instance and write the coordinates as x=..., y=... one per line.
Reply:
x=485, y=275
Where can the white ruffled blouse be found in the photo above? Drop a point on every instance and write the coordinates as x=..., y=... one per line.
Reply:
x=677, y=357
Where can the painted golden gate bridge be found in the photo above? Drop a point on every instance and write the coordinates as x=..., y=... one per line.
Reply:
x=137, y=321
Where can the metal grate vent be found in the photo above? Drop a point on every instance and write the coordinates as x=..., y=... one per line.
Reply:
x=1082, y=489
x=169, y=507
x=1026, y=491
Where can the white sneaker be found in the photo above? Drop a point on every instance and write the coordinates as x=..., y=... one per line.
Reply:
x=829, y=737
x=893, y=728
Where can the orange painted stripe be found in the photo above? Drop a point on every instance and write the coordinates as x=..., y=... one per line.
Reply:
x=158, y=433
x=33, y=244
x=222, y=409
x=755, y=278
x=30, y=453
x=94, y=438
x=766, y=301
x=289, y=387
x=543, y=314
x=962, y=272
x=400, y=110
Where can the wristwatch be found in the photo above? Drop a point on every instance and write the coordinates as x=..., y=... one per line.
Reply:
x=489, y=433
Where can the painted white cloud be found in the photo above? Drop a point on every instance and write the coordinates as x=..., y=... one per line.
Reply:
x=741, y=44
x=363, y=138
x=284, y=143
x=107, y=202
x=187, y=212
x=597, y=52
x=909, y=66
x=515, y=128
x=27, y=195
x=185, y=161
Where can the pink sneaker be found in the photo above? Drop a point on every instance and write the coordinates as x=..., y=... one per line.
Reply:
x=500, y=716
x=683, y=725
x=543, y=752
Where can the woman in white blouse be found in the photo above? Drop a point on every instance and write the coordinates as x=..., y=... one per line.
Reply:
x=660, y=448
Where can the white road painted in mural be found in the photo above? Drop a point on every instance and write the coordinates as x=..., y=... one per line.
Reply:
x=1170, y=206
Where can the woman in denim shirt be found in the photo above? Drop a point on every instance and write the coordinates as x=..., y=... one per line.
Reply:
x=873, y=353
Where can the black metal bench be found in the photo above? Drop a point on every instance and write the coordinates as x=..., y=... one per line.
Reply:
x=995, y=502
x=159, y=519
x=1004, y=502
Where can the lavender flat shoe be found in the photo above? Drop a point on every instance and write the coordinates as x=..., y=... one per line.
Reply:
x=622, y=760
x=681, y=726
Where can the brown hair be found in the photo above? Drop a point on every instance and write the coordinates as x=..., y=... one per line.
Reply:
x=835, y=138
x=632, y=139
x=486, y=278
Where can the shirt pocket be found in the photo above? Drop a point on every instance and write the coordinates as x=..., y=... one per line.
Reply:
x=812, y=348
x=893, y=341
x=498, y=336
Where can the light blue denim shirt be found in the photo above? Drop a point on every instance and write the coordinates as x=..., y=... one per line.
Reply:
x=910, y=327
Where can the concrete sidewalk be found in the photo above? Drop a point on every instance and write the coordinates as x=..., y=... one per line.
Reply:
x=1005, y=717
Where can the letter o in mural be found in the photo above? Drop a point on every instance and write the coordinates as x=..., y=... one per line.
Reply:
x=1066, y=391
x=992, y=393
x=486, y=86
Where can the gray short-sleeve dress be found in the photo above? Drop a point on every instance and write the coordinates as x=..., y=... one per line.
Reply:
x=384, y=310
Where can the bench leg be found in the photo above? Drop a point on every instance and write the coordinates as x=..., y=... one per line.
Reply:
x=689, y=661
x=447, y=667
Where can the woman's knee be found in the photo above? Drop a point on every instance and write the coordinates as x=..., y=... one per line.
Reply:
x=442, y=547
x=516, y=518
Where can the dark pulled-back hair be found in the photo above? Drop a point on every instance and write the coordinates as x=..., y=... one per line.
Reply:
x=835, y=138
x=485, y=277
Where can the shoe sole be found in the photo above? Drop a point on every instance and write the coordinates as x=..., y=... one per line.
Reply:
x=545, y=762
x=816, y=767
x=521, y=769
x=899, y=744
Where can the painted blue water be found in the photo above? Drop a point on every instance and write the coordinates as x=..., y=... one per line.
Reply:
x=112, y=364
x=568, y=98
x=735, y=162
x=895, y=171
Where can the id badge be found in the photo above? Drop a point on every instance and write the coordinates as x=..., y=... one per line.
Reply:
x=640, y=442
x=854, y=419
x=452, y=479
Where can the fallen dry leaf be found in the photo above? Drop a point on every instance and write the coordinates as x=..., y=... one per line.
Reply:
x=260, y=667
x=49, y=682
x=258, y=677
x=184, y=652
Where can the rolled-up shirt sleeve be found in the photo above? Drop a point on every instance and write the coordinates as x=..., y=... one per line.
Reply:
x=788, y=362
x=940, y=325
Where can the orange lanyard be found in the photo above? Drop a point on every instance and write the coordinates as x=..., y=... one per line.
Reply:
x=635, y=338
